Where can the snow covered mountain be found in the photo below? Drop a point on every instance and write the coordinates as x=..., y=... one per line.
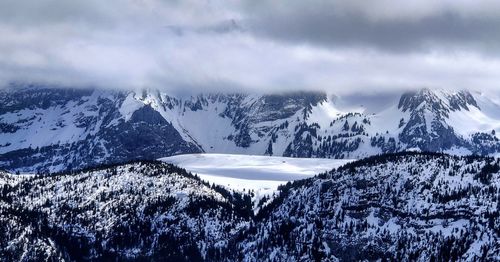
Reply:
x=47, y=129
x=141, y=210
x=399, y=207
x=396, y=207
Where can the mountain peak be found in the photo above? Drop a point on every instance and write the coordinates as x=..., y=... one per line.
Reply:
x=438, y=100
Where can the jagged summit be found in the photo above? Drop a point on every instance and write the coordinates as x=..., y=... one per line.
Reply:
x=437, y=100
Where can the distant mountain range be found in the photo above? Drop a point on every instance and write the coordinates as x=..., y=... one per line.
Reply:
x=46, y=129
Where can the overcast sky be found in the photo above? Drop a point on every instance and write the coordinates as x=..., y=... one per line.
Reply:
x=200, y=45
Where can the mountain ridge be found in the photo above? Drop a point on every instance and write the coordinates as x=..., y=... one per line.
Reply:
x=48, y=130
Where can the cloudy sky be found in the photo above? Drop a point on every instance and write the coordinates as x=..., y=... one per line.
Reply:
x=199, y=45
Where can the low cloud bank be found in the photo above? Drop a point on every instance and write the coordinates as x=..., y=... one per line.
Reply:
x=264, y=46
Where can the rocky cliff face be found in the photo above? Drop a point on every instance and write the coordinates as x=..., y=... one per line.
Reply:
x=45, y=129
x=426, y=127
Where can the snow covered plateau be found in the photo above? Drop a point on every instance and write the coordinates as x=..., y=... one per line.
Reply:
x=260, y=174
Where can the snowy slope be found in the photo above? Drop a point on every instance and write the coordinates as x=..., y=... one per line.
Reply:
x=484, y=118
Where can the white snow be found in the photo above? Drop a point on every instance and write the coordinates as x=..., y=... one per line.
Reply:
x=262, y=174
x=129, y=106
x=324, y=113
x=483, y=119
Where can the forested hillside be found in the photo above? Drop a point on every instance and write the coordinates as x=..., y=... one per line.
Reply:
x=400, y=207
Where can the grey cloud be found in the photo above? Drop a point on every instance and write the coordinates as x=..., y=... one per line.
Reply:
x=254, y=46
x=48, y=12
x=332, y=25
x=111, y=14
